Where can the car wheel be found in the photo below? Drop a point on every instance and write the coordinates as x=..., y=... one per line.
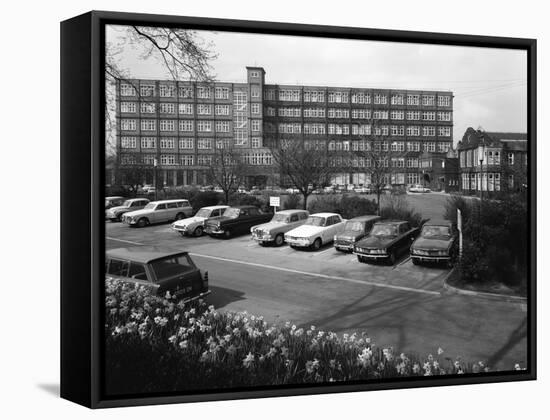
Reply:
x=316, y=244
x=227, y=234
x=198, y=231
x=415, y=261
x=182, y=234
x=142, y=222
x=279, y=239
x=180, y=216
x=360, y=259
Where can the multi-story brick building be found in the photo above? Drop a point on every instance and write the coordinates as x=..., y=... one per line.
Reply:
x=491, y=161
x=440, y=170
x=178, y=125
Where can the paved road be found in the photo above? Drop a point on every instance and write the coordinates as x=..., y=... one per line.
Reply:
x=403, y=306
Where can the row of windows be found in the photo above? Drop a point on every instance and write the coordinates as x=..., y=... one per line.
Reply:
x=361, y=129
x=169, y=91
x=486, y=181
x=385, y=146
x=252, y=158
x=472, y=158
x=362, y=162
x=395, y=178
x=131, y=142
x=205, y=126
x=293, y=95
x=182, y=109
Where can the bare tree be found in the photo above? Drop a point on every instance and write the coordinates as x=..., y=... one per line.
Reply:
x=227, y=169
x=136, y=171
x=307, y=166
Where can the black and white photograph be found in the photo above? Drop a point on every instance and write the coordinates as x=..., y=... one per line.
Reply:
x=285, y=210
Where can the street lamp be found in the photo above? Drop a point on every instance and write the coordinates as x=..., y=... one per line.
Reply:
x=155, y=165
x=481, y=151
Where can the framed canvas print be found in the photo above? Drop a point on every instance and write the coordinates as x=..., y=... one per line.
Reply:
x=254, y=209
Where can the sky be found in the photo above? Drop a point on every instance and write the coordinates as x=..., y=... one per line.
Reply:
x=489, y=85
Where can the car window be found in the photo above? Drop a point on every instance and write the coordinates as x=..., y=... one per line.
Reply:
x=293, y=218
x=244, y=212
x=173, y=205
x=403, y=228
x=161, y=207
x=303, y=216
x=118, y=268
x=253, y=212
x=166, y=268
x=137, y=271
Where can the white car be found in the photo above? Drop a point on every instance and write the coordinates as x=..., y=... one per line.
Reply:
x=195, y=225
x=419, y=189
x=318, y=230
x=158, y=212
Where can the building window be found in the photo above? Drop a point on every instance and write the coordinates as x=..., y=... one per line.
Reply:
x=241, y=138
x=413, y=99
x=147, y=108
x=167, y=91
x=128, y=107
x=128, y=160
x=185, y=109
x=167, y=159
x=380, y=115
x=314, y=113
x=413, y=131
x=429, y=146
x=148, y=143
x=128, y=142
x=203, y=92
x=223, y=144
x=127, y=90
x=186, y=125
x=413, y=178
x=510, y=158
x=382, y=130
x=147, y=90
x=443, y=101
x=413, y=146
x=397, y=115
x=222, y=93
x=289, y=95
x=413, y=115
x=380, y=99
x=167, y=143
x=148, y=159
x=289, y=112
x=187, y=160
x=254, y=91
x=428, y=100
x=511, y=181
x=269, y=94
x=428, y=131
x=338, y=113
x=255, y=108
x=398, y=162
x=443, y=147
x=204, y=126
x=338, y=97
x=148, y=125
x=204, y=109
x=314, y=128
x=270, y=111
x=168, y=108
x=203, y=144
x=167, y=125
x=338, y=129
x=314, y=96
x=256, y=142
x=239, y=101
x=360, y=114
x=412, y=162
x=255, y=74
x=360, y=98
x=398, y=146
x=204, y=160
x=444, y=131
x=186, y=143
x=255, y=125
x=361, y=129
x=186, y=92
x=222, y=126
x=290, y=128
x=428, y=116
x=397, y=100
x=222, y=109
x=444, y=116
x=397, y=130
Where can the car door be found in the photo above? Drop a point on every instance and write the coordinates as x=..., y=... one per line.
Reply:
x=294, y=221
x=405, y=237
x=159, y=214
x=336, y=227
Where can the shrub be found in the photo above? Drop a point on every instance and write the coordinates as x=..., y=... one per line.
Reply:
x=205, y=198
x=347, y=206
x=396, y=207
x=155, y=344
x=292, y=201
x=259, y=201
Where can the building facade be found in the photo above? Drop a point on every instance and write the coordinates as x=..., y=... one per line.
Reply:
x=440, y=171
x=491, y=161
x=178, y=125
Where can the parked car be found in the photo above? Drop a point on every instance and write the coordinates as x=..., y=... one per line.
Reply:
x=274, y=231
x=236, y=220
x=386, y=241
x=354, y=230
x=329, y=190
x=419, y=189
x=147, y=189
x=159, y=269
x=318, y=191
x=114, y=214
x=242, y=190
x=195, y=225
x=292, y=191
x=113, y=201
x=363, y=190
x=159, y=212
x=438, y=243
x=319, y=229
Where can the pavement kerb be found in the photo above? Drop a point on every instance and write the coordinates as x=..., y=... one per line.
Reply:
x=486, y=295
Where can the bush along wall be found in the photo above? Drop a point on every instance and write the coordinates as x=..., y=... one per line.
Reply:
x=155, y=344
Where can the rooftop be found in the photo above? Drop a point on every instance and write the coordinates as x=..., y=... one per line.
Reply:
x=143, y=254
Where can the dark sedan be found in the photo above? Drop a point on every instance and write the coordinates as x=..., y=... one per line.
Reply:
x=236, y=220
x=386, y=241
x=354, y=230
x=437, y=243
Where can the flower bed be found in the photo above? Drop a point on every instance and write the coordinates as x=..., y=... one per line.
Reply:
x=156, y=344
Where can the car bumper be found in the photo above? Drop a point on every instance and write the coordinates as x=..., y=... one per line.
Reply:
x=129, y=221
x=372, y=256
x=181, y=229
x=214, y=232
x=300, y=243
x=343, y=247
x=262, y=238
x=428, y=258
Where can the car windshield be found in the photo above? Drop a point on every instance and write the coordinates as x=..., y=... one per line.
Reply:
x=433, y=231
x=172, y=266
x=150, y=206
x=280, y=218
x=315, y=221
x=354, y=226
x=232, y=213
x=384, y=230
x=127, y=203
x=203, y=213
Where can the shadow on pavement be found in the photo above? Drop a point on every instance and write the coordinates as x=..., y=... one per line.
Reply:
x=221, y=296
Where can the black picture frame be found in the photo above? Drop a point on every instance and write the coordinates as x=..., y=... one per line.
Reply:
x=82, y=180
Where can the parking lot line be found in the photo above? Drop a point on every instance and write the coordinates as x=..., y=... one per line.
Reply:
x=123, y=240
x=325, y=276
x=322, y=252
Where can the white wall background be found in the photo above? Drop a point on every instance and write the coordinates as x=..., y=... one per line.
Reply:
x=30, y=210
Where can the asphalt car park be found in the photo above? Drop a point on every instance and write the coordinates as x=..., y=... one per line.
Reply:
x=402, y=305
